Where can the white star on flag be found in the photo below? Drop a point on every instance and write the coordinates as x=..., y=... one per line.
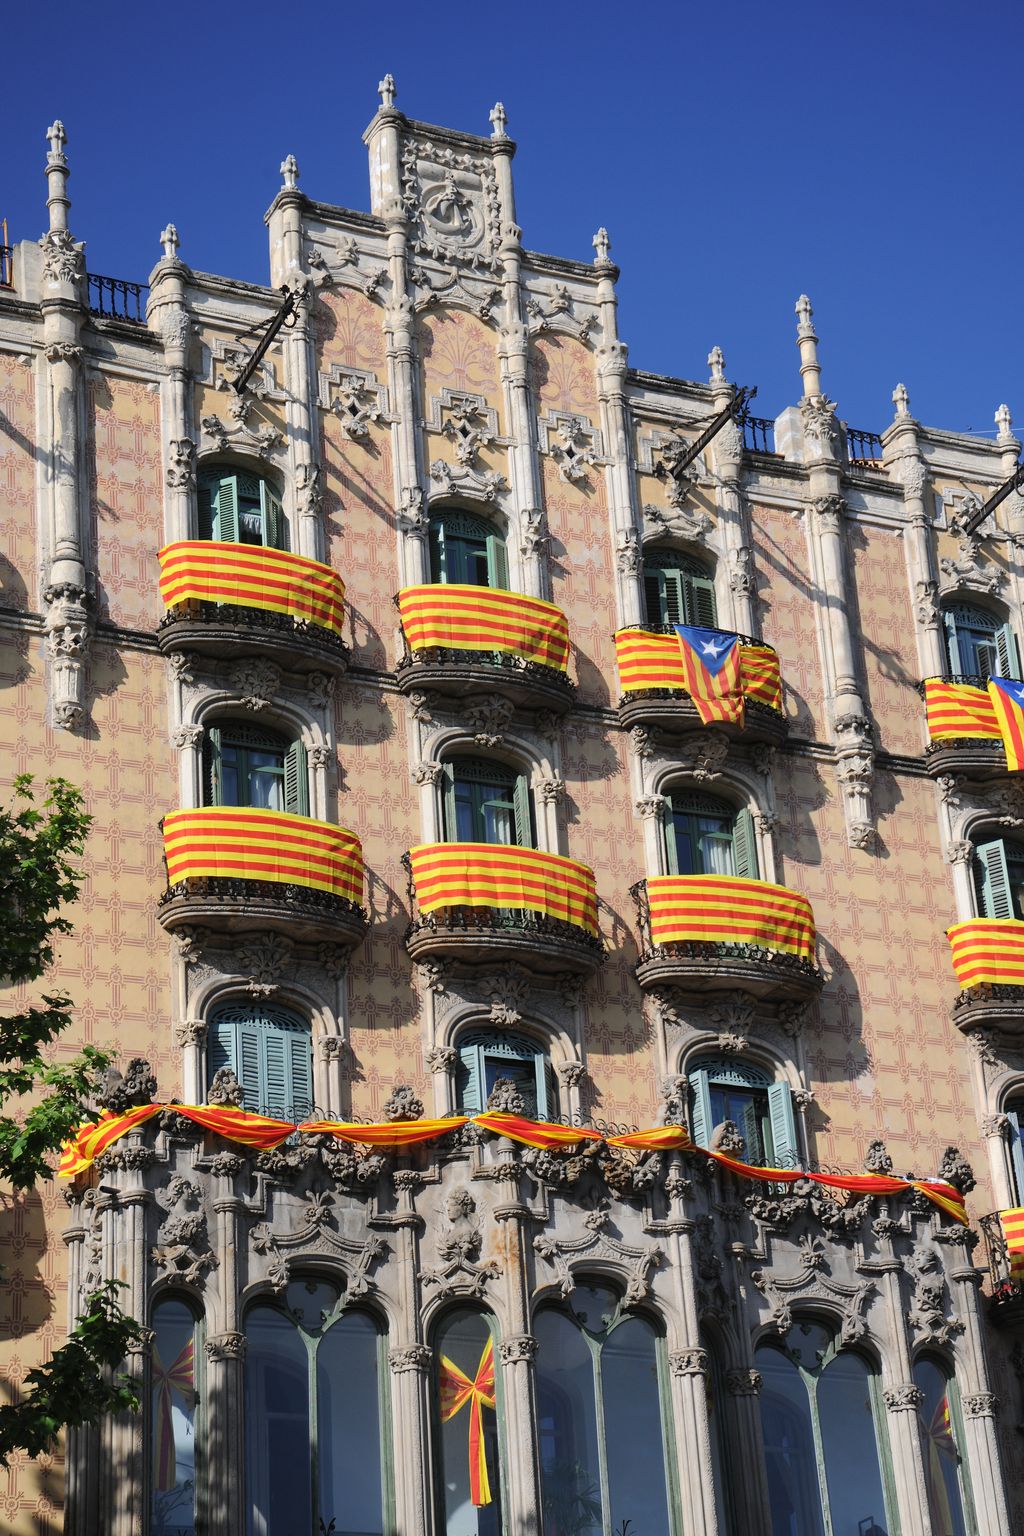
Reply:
x=712, y=648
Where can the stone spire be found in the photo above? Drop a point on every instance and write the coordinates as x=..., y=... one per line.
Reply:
x=807, y=341
x=901, y=400
x=499, y=118
x=57, y=173
x=716, y=362
x=289, y=172
x=387, y=91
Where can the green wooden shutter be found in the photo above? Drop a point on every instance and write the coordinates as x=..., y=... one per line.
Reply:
x=652, y=597
x=469, y=1080
x=952, y=643
x=780, y=1113
x=521, y=802
x=207, y=509
x=220, y=1047
x=274, y=522
x=744, y=846
x=248, y=1062
x=296, y=780
x=673, y=597
x=996, y=899
x=1006, y=651
x=497, y=561
x=276, y=1078
x=225, y=521
x=300, y=1073
x=700, y=1110
x=1016, y=1152
x=449, y=817
x=212, y=778
x=438, y=562
x=704, y=609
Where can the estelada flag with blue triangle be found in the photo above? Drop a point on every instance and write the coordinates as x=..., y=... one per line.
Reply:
x=711, y=669
x=1007, y=697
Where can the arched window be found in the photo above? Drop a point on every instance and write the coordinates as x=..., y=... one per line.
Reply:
x=978, y=644
x=486, y=802
x=678, y=589
x=175, y=1425
x=237, y=507
x=725, y=1089
x=486, y=1055
x=824, y=1438
x=1014, y=1111
x=999, y=878
x=605, y=1437
x=270, y=1052
x=250, y=765
x=466, y=549
x=944, y=1467
x=707, y=836
x=467, y=1387
x=315, y=1437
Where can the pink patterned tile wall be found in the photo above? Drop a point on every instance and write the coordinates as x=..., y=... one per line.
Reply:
x=19, y=574
x=787, y=597
x=127, y=499
x=886, y=624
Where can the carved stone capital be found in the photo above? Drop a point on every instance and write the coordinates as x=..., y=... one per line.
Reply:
x=549, y=791
x=652, y=807
x=442, y=1058
x=428, y=772
x=330, y=1047
x=980, y=1405
x=903, y=1399
x=191, y=942
x=64, y=352
x=571, y=1073
x=190, y=1032
x=187, y=737
x=518, y=1348
x=742, y=1382
x=688, y=1362
x=226, y=1346
x=960, y=852
x=413, y=1357
x=995, y=1127
x=320, y=688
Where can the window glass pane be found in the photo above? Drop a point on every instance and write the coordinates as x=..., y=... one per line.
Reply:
x=788, y=1447
x=567, y=1423
x=856, y=1501
x=941, y=1457
x=277, y=1443
x=522, y=1073
x=717, y=1427
x=748, y=1108
x=250, y=513
x=348, y=1428
x=266, y=779
x=174, y=1420
x=632, y=1428
x=461, y=1342
x=499, y=824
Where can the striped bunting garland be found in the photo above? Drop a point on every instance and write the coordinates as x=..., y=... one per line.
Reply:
x=647, y=660
x=260, y=1132
x=956, y=709
x=1006, y=695
x=252, y=576
x=988, y=950
x=722, y=909
x=498, y=875
x=466, y=618
x=1012, y=1223
x=236, y=843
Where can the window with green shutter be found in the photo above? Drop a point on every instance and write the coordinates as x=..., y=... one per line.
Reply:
x=978, y=643
x=236, y=507
x=486, y=1055
x=707, y=836
x=466, y=549
x=246, y=765
x=678, y=589
x=270, y=1052
x=1015, y=1115
x=722, y=1090
x=999, y=878
x=486, y=802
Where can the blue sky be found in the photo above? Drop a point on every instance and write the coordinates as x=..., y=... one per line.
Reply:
x=738, y=153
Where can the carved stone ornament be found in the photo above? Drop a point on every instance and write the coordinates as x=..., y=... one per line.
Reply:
x=403, y=1105
x=257, y=682
x=904, y=1399
x=461, y=480
x=742, y=1381
x=810, y=1282
x=818, y=414
x=189, y=1033
x=413, y=1357
x=956, y=1170
x=411, y=516
x=68, y=636
x=263, y=441
x=333, y=958
x=331, y=1047
x=320, y=756
x=971, y=568
x=191, y=942
x=535, y=533
x=995, y=1127
x=926, y=605
x=980, y=1405
x=571, y=443
x=121, y=1091
x=320, y=688
x=741, y=576
x=489, y=718
x=451, y=200
x=182, y=1252
x=468, y=426
x=628, y=554
x=356, y=405
x=309, y=495
x=704, y=754
x=689, y=1362
x=434, y=975
x=694, y=527
x=505, y=1098
x=930, y=1314
x=571, y=1074
x=791, y=1018
x=428, y=772
x=458, y=1249
x=679, y=479
x=599, y=1244
x=641, y=742
x=828, y=513
x=225, y=1089
x=520, y=1348
x=181, y=464
x=187, y=737
x=877, y=1159
x=549, y=791
x=960, y=852
x=225, y=1346
x=184, y=665
x=728, y=1138
x=63, y=256
x=652, y=807
x=264, y=959
x=442, y=1059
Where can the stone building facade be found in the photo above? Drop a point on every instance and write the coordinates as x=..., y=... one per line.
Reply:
x=677, y=1349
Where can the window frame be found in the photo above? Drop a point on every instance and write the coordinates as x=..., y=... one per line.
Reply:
x=477, y=1046
x=994, y=888
x=218, y=497
x=683, y=801
x=679, y=588
x=242, y=1042
x=963, y=1469
x=708, y=1072
x=483, y=770
x=200, y=1500
x=958, y=618
x=294, y=765
x=437, y=1458
x=442, y=527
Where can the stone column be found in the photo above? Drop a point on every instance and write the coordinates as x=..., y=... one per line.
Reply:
x=726, y=451
x=902, y=1398
x=905, y=462
x=617, y=430
x=68, y=593
x=304, y=494
x=225, y=1357
x=410, y=1360
x=980, y=1404
x=750, y=1492
x=688, y=1364
x=167, y=312
x=517, y=1353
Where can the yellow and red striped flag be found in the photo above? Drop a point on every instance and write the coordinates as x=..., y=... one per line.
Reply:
x=92, y=1140
x=456, y=1390
x=236, y=842
x=1012, y=1223
x=252, y=576
x=468, y=618
x=988, y=950
x=759, y=675
x=646, y=660
x=500, y=875
x=958, y=709
x=723, y=909
x=1007, y=699
x=711, y=673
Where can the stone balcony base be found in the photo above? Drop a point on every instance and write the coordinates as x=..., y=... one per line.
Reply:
x=675, y=714
x=478, y=936
x=228, y=907
x=463, y=677
x=706, y=968
x=222, y=632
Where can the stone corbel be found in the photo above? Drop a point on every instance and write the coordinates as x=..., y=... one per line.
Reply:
x=69, y=628
x=693, y=527
x=855, y=769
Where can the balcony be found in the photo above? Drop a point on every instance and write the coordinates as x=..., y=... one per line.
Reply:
x=480, y=903
x=230, y=601
x=1006, y=1271
x=963, y=733
x=654, y=695
x=464, y=641
x=713, y=932
x=233, y=870
x=988, y=959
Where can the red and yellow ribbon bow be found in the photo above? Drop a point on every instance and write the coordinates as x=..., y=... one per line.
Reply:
x=456, y=1391
x=179, y=1377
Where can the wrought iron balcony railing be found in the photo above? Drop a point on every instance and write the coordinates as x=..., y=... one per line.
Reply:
x=863, y=447
x=115, y=299
x=759, y=435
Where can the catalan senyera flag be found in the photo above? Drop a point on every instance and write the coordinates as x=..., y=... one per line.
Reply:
x=1006, y=695
x=252, y=576
x=456, y=1390
x=646, y=660
x=236, y=842
x=500, y=875
x=958, y=709
x=988, y=950
x=178, y=1377
x=468, y=618
x=711, y=669
x=723, y=909
x=92, y=1140
x=1012, y=1223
